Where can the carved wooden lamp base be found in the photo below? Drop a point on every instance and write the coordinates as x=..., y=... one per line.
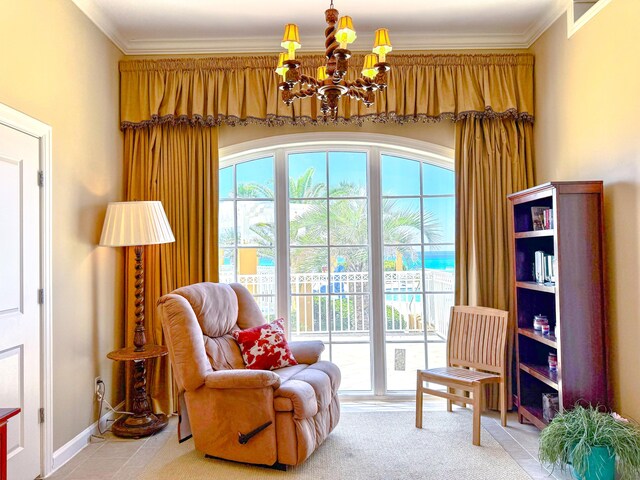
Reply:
x=136, y=426
x=142, y=422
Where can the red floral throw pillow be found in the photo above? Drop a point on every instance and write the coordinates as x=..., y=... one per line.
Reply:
x=265, y=347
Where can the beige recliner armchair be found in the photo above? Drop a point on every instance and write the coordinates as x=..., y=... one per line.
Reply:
x=262, y=417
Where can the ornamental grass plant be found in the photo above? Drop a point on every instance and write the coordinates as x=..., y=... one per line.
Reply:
x=571, y=435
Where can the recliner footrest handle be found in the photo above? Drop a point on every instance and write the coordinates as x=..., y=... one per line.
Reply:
x=243, y=438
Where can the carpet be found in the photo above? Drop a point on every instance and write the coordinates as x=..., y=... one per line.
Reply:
x=365, y=445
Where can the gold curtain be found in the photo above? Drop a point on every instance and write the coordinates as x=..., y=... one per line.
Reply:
x=240, y=90
x=178, y=165
x=493, y=158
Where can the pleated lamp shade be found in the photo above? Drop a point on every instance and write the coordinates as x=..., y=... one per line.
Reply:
x=130, y=224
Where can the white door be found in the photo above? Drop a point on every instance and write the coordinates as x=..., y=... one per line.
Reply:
x=19, y=308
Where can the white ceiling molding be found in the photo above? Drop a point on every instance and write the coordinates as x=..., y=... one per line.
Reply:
x=541, y=26
x=103, y=22
x=238, y=45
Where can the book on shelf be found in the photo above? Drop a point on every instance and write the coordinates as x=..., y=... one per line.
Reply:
x=542, y=218
x=545, y=268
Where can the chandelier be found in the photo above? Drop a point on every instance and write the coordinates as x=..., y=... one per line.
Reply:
x=330, y=84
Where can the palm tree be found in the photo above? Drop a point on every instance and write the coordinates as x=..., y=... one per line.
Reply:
x=301, y=187
x=348, y=224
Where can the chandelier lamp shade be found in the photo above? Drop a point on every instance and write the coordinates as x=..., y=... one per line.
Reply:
x=330, y=83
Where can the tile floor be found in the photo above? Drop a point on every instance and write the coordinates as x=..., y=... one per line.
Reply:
x=116, y=458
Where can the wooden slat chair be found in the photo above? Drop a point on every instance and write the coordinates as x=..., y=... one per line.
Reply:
x=476, y=356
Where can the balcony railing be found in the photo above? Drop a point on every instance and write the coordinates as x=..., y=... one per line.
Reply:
x=347, y=309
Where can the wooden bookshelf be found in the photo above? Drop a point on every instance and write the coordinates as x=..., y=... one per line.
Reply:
x=575, y=303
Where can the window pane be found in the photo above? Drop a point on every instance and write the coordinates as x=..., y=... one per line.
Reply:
x=309, y=270
x=439, y=260
x=437, y=180
x=438, y=307
x=225, y=182
x=403, y=313
x=403, y=359
x=267, y=307
x=349, y=317
x=401, y=220
x=400, y=176
x=307, y=175
x=256, y=270
x=309, y=319
x=439, y=281
x=308, y=222
x=349, y=269
x=255, y=178
x=439, y=220
x=402, y=269
x=347, y=174
x=437, y=358
x=226, y=231
x=348, y=222
x=255, y=223
x=227, y=265
x=354, y=361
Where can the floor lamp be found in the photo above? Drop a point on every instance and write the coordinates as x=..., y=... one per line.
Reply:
x=136, y=224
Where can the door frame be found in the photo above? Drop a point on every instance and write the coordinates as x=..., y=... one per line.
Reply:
x=24, y=123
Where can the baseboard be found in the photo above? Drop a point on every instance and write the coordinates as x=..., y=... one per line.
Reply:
x=77, y=443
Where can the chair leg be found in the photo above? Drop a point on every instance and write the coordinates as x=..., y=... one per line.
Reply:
x=477, y=411
x=449, y=402
x=419, y=401
x=503, y=403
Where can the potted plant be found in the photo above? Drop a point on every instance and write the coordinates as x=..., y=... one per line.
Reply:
x=590, y=441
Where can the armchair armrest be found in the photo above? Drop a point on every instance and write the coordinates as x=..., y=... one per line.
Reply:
x=242, y=379
x=307, y=352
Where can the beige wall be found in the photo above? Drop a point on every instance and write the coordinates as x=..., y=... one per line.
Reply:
x=587, y=112
x=58, y=67
x=441, y=133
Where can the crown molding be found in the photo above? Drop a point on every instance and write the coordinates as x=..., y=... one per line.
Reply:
x=402, y=42
x=103, y=22
x=537, y=29
x=270, y=44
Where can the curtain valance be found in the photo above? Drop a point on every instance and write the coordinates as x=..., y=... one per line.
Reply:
x=241, y=90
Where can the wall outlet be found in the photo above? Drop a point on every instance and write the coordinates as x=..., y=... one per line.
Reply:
x=96, y=385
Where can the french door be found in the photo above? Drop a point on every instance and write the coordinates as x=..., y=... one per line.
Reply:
x=354, y=245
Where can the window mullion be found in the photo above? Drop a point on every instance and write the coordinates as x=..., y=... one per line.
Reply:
x=281, y=213
x=376, y=272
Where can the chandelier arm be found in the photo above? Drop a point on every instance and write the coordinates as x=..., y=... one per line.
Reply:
x=357, y=94
x=364, y=83
x=366, y=97
x=309, y=92
x=311, y=81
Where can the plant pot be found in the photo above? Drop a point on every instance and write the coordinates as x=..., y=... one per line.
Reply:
x=601, y=465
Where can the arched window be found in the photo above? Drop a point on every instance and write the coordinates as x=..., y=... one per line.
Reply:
x=351, y=240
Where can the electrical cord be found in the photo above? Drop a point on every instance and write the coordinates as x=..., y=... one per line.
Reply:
x=100, y=394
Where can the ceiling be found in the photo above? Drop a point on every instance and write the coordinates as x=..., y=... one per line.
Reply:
x=215, y=26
